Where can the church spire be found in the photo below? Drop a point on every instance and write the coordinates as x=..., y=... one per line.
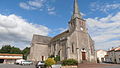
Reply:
x=76, y=12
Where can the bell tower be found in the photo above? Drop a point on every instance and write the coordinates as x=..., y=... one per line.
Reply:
x=77, y=22
x=80, y=44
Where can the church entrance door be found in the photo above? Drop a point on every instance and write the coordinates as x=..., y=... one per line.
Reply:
x=83, y=55
x=42, y=58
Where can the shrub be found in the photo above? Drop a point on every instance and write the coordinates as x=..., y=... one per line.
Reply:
x=57, y=58
x=49, y=62
x=52, y=56
x=70, y=62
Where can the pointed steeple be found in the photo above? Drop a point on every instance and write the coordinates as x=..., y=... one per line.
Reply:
x=76, y=12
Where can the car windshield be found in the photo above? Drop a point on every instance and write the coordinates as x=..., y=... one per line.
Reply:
x=42, y=61
x=26, y=61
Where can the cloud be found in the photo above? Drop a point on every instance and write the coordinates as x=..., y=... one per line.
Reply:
x=105, y=31
x=16, y=30
x=104, y=7
x=82, y=14
x=32, y=4
x=26, y=6
x=62, y=29
x=51, y=10
x=38, y=5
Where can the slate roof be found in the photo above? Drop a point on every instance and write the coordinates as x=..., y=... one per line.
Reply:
x=41, y=39
x=63, y=34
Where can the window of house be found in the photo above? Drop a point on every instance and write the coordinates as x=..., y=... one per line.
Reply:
x=110, y=59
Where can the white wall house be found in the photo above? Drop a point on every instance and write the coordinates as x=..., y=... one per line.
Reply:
x=10, y=58
x=107, y=59
x=117, y=54
x=113, y=55
x=101, y=55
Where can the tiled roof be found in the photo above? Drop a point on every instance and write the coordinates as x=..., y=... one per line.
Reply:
x=115, y=49
x=10, y=58
x=11, y=54
x=106, y=55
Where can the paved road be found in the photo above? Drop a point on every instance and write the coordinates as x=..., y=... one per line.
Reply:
x=118, y=66
x=94, y=65
x=15, y=66
x=81, y=66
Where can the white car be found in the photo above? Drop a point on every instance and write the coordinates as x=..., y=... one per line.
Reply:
x=40, y=64
x=26, y=62
x=19, y=61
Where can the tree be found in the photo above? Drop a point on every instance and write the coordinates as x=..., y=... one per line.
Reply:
x=10, y=50
x=5, y=49
x=26, y=52
x=15, y=50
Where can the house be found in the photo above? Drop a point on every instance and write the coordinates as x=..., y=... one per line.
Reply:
x=101, y=55
x=113, y=55
x=117, y=55
x=10, y=58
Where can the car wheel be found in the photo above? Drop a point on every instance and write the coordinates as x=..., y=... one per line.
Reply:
x=39, y=67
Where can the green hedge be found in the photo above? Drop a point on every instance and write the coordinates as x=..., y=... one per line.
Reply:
x=69, y=62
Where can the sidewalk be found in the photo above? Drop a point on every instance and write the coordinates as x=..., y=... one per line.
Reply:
x=94, y=65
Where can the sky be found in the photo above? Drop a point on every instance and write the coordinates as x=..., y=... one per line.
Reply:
x=20, y=19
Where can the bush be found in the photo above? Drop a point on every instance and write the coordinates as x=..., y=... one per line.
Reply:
x=70, y=62
x=57, y=58
x=49, y=62
x=52, y=56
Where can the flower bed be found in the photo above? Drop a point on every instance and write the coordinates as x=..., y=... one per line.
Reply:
x=69, y=67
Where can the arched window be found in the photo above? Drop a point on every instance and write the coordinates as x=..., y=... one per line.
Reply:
x=72, y=47
x=54, y=47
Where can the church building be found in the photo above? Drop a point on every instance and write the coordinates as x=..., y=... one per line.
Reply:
x=74, y=43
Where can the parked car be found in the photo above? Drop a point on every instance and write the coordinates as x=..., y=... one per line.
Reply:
x=40, y=64
x=26, y=62
x=19, y=61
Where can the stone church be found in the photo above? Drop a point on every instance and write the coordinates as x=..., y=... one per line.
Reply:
x=74, y=43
